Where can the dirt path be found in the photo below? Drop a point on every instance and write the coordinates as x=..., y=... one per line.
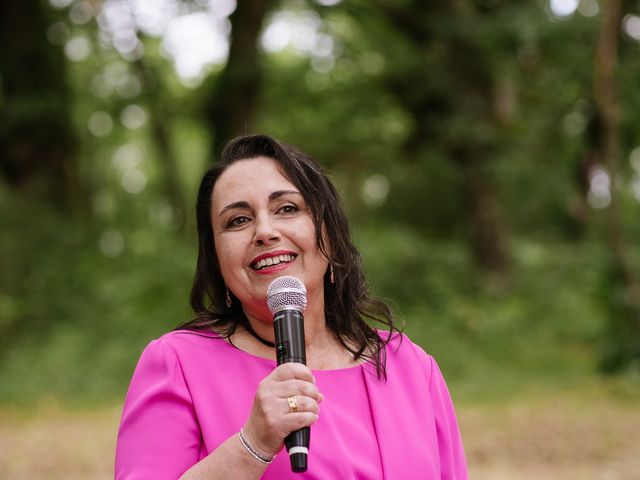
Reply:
x=56, y=444
x=581, y=436
x=567, y=437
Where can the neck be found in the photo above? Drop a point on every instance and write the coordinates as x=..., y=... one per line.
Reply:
x=261, y=320
x=323, y=350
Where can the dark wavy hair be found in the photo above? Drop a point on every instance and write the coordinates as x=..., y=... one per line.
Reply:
x=347, y=300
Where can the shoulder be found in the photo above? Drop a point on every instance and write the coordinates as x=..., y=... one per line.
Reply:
x=184, y=357
x=398, y=343
x=401, y=351
x=181, y=344
x=181, y=338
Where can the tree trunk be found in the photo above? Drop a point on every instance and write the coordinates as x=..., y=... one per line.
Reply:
x=37, y=144
x=160, y=127
x=487, y=234
x=625, y=293
x=472, y=89
x=232, y=102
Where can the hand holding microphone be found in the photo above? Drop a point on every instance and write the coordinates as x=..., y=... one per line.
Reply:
x=287, y=299
x=271, y=419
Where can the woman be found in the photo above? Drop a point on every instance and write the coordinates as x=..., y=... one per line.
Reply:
x=207, y=400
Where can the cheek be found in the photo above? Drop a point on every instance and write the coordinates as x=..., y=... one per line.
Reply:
x=311, y=242
x=229, y=254
x=305, y=238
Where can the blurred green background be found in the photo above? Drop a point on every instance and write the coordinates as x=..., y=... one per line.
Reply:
x=487, y=152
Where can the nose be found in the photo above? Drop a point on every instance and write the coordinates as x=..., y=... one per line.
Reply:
x=266, y=231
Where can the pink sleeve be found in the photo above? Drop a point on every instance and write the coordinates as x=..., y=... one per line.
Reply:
x=452, y=460
x=159, y=436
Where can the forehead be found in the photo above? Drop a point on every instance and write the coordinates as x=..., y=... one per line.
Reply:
x=246, y=179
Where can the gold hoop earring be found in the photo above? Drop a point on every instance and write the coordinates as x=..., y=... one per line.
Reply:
x=228, y=299
x=331, y=277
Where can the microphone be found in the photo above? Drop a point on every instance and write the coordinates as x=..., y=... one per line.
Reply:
x=287, y=299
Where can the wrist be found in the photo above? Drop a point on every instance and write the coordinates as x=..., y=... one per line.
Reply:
x=256, y=453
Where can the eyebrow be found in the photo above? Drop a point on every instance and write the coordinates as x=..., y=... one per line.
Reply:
x=272, y=196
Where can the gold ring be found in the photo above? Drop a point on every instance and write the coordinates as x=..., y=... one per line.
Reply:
x=293, y=404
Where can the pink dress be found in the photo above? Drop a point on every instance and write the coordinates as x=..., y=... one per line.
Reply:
x=192, y=390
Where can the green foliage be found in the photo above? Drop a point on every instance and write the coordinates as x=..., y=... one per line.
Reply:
x=493, y=338
x=74, y=318
x=407, y=87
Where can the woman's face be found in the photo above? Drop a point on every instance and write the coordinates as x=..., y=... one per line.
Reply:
x=262, y=230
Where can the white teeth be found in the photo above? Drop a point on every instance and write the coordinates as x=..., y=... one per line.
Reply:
x=267, y=262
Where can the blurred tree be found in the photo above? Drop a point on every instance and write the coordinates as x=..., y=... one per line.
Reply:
x=451, y=83
x=624, y=291
x=160, y=120
x=37, y=141
x=231, y=97
x=437, y=118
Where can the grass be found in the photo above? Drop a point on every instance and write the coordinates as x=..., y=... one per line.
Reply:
x=587, y=431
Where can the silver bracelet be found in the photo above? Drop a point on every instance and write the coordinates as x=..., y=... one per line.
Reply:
x=254, y=453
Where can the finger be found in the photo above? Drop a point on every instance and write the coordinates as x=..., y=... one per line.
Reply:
x=296, y=421
x=298, y=403
x=297, y=387
x=288, y=371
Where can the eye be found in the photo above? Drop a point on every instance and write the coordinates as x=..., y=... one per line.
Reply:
x=237, y=221
x=288, y=209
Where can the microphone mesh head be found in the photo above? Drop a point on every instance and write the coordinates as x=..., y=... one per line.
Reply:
x=286, y=292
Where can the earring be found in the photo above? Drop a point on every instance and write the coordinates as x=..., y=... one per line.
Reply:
x=331, y=277
x=228, y=299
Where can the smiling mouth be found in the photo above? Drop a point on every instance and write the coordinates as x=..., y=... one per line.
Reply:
x=270, y=261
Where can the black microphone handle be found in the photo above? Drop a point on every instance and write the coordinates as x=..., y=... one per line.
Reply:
x=289, y=332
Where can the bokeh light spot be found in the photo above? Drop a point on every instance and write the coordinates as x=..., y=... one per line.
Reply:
x=153, y=16
x=129, y=86
x=599, y=195
x=125, y=41
x=375, y=190
x=194, y=42
x=222, y=8
x=81, y=13
x=111, y=243
x=100, y=124
x=127, y=156
x=60, y=3
x=589, y=8
x=574, y=123
x=563, y=8
x=134, y=180
x=133, y=116
x=162, y=214
x=300, y=31
x=77, y=48
x=631, y=26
